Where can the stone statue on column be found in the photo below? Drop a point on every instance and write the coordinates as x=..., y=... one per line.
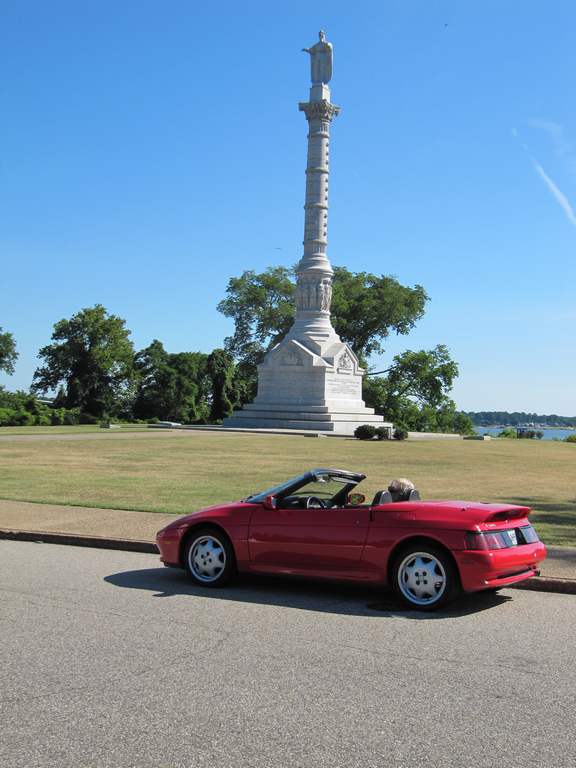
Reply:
x=325, y=297
x=320, y=60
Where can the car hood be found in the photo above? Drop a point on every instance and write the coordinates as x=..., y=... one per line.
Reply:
x=208, y=513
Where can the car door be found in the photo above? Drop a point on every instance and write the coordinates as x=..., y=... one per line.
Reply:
x=307, y=539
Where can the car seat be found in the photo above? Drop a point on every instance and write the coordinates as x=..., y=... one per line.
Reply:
x=382, y=497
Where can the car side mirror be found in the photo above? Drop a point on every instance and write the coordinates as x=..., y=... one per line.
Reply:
x=356, y=498
x=270, y=502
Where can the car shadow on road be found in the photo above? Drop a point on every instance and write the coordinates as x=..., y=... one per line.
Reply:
x=304, y=594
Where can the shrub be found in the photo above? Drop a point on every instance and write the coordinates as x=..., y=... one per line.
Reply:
x=570, y=439
x=7, y=417
x=509, y=432
x=87, y=418
x=23, y=419
x=382, y=433
x=71, y=417
x=401, y=431
x=365, y=432
x=37, y=415
x=57, y=417
x=530, y=434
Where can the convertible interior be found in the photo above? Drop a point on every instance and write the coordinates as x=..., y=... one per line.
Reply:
x=324, y=489
x=333, y=492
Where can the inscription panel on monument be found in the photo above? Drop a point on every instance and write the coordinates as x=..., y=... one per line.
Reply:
x=344, y=387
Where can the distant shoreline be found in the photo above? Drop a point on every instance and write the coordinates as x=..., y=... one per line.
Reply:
x=515, y=426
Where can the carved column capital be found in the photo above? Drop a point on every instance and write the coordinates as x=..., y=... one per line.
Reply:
x=319, y=110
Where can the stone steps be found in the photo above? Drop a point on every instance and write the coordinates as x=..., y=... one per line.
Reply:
x=342, y=423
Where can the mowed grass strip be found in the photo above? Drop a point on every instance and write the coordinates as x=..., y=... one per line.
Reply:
x=73, y=429
x=184, y=473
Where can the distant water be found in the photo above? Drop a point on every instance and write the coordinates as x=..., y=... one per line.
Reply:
x=549, y=434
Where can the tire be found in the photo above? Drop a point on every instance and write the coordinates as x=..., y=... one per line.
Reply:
x=424, y=577
x=209, y=558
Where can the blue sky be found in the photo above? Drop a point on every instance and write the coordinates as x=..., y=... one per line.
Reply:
x=151, y=151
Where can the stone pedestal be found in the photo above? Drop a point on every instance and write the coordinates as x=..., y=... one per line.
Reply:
x=300, y=388
x=312, y=380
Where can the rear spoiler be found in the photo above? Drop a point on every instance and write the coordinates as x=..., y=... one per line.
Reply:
x=509, y=513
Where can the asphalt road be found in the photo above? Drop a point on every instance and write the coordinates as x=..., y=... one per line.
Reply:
x=108, y=661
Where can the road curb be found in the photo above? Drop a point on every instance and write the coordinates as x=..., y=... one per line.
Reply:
x=537, y=583
x=76, y=540
x=548, y=584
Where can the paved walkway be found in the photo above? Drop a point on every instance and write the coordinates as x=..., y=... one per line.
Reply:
x=142, y=526
x=87, y=521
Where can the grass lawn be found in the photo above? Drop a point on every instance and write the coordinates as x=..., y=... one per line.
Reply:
x=69, y=430
x=164, y=473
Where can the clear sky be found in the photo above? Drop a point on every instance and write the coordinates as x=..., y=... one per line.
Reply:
x=149, y=151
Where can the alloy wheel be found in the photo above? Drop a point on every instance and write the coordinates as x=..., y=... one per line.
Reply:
x=422, y=578
x=207, y=559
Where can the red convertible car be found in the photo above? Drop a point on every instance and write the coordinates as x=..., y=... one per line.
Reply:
x=316, y=525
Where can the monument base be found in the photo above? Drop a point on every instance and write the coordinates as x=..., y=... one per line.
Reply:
x=252, y=417
x=302, y=388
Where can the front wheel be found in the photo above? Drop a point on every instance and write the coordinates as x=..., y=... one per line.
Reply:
x=209, y=558
x=425, y=578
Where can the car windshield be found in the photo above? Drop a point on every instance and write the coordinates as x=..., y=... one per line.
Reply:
x=322, y=484
x=324, y=487
x=277, y=489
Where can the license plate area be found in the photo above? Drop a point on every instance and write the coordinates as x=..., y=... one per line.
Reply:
x=512, y=537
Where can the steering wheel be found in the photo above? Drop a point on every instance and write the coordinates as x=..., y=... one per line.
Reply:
x=313, y=502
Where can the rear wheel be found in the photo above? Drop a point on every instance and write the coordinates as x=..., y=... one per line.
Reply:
x=424, y=577
x=209, y=558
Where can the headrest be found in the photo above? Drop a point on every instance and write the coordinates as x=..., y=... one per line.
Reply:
x=414, y=495
x=382, y=497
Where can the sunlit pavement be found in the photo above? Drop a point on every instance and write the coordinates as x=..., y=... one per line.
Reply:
x=110, y=660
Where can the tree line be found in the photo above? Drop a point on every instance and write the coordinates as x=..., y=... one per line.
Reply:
x=96, y=373
x=515, y=418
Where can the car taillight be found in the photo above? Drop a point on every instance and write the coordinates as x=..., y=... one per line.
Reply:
x=486, y=541
x=502, y=539
x=529, y=534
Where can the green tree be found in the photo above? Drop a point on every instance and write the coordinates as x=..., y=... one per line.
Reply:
x=221, y=370
x=509, y=432
x=172, y=387
x=366, y=308
x=262, y=307
x=8, y=354
x=189, y=387
x=92, y=356
x=152, y=372
x=414, y=394
x=463, y=424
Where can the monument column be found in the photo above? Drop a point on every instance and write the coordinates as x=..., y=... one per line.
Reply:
x=314, y=272
x=312, y=380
